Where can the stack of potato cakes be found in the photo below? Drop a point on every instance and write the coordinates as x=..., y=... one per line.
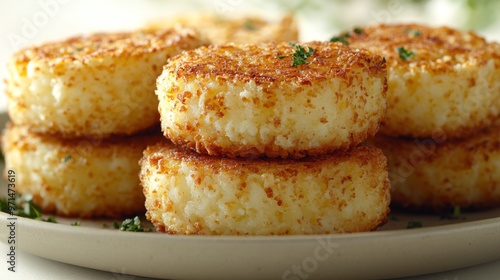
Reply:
x=441, y=134
x=80, y=111
x=268, y=139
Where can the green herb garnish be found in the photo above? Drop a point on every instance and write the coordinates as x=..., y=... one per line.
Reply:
x=30, y=210
x=249, y=25
x=341, y=39
x=50, y=219
x=455, y=215
x=413, y=32
x=67, y=158
x=300, y=54
x=414, y=224
x=405, y=54
x=23, y=206
x=133, y=225
x=76, y=223
x=457, y=212
x=116, y=224
x=4, y=205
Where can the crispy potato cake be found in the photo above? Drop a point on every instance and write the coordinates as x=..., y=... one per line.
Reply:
x=191, y=193
x=100, y=84
x=242, y=29
x=79, y=177
x=439, y=79
x=434, y=174
x=274, y=100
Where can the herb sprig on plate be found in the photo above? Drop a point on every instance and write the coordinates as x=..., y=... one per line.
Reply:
x=23, y=206
x=133, y=224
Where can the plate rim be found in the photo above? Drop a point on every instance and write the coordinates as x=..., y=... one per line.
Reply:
x=88, y=236
x=31, y=223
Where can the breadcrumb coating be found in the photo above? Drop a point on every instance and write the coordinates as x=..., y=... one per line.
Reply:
x=190, y=193
x=96, y=85
x=250, y=101
x=439, y=79
x=83, y=177
x=437, y=173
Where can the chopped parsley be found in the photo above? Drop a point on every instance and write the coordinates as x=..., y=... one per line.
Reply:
x=249, y=25
x=342, y=39
x=299, y=55
x=50, y=219
x=4, y=205
x=413, y=32
x=405, y=54
x=67, y=158
x=358, y=30
x=133, y=225
x=24, y=207
x=76, y=223
x=116, y=224
x=457, y=212
x=455, y=215
x=414, y=224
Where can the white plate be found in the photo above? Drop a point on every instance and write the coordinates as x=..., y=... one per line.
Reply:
x=392, y=251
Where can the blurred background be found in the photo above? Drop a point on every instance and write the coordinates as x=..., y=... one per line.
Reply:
x=28, y=22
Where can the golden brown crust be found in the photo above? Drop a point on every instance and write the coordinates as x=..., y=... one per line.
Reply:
x=250, y=101
x=438, y=49
x=436, y=174
x=241, y=29
x=439, y=78
x=361, y=155
x=102, y=145
x=82, y=177
x=98, y=85
x=262, y=65
x=191, y=193
x=86, y=48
